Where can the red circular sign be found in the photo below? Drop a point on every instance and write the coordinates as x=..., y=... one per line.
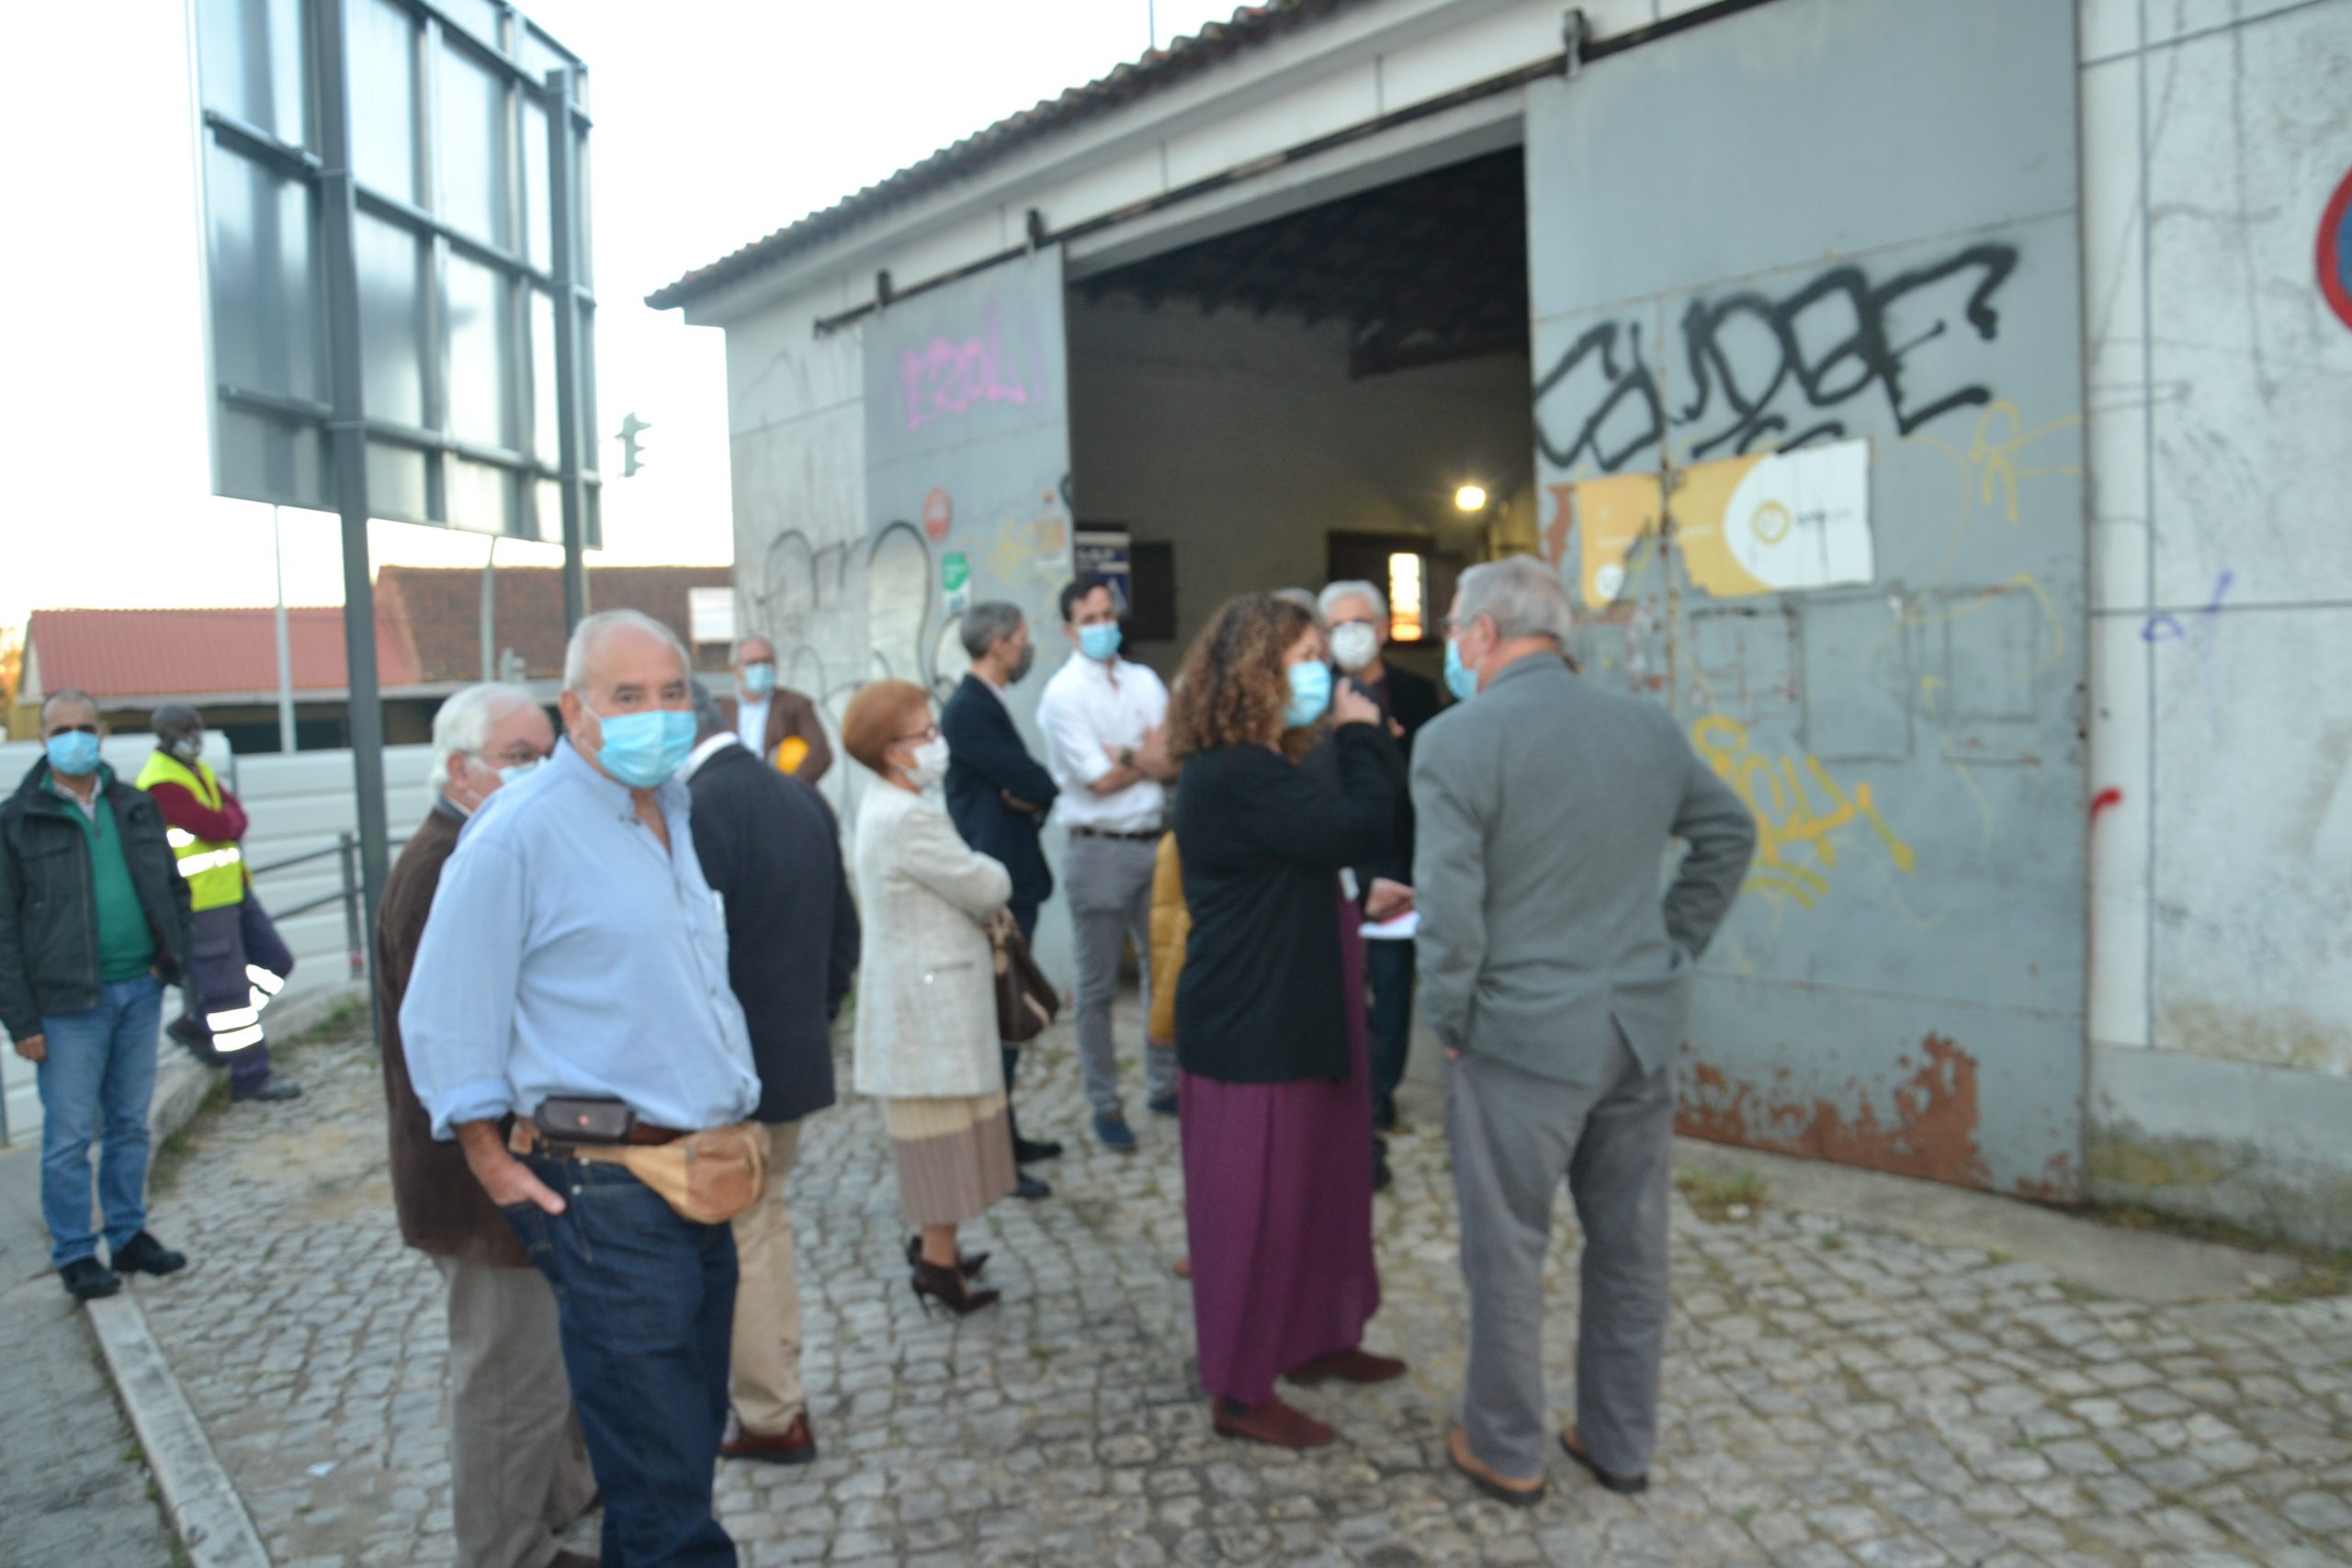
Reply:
x=2335, y=252
x=938, y=513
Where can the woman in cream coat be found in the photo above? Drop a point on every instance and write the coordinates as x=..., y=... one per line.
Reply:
x=927, y=1042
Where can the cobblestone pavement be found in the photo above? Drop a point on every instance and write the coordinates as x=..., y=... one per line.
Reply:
x=73, y=1490
x=1835, y=1395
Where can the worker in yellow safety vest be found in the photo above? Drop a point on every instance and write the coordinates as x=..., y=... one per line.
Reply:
x=239, y=962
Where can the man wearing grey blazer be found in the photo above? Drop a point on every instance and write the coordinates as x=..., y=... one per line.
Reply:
x=1558, y=980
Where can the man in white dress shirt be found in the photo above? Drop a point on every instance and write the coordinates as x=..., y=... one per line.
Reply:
x=1102, y=718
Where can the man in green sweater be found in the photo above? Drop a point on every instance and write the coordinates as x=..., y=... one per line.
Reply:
x=93, y=924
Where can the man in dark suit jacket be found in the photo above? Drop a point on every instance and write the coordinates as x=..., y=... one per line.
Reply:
x=1357, y=614
x=775, y=714
x=998, y=795
x=771, y=850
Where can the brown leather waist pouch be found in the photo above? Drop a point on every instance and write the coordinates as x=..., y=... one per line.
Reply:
x=708, y=1176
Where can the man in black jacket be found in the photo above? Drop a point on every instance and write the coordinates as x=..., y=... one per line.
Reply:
x=998, y=795
x=771, y=850
x=1357, y=614
x=93, y=924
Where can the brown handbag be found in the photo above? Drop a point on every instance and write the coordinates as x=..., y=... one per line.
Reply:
x=1026, y=1003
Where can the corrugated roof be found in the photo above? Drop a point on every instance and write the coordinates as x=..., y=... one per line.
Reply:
x=180, y=653
x=1183, y=59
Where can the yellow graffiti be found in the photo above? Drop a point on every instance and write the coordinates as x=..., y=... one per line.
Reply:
x=1039, y=545
x=1788, y=821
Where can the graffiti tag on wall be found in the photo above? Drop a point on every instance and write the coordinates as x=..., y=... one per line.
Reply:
x=1800, y=808
x=1840, y=337
x=951, y=376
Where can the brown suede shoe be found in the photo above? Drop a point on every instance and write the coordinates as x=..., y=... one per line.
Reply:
x=795, y=1445
x=1623, y=1485
x=1348, y=1366
x=1501, y=1488
x=1273, y=1422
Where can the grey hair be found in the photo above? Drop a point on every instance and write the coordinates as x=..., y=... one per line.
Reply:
x=988, y=623
x=461, y=727
x=750, y=637
x=1336, y=591
x=583, y=641
x=1520, y=594
x=709, y=719
x=1302, y=599
x=173, y=721
x=66, y=694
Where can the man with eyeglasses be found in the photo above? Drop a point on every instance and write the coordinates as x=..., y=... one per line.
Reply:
x=93, y=924
x=519, y=1471
x=779, y=726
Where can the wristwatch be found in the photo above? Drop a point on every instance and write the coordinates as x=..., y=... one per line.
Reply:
x=1126, y=756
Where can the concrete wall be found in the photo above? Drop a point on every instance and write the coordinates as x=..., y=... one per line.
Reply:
x=1243, y=442
x=2220, y=408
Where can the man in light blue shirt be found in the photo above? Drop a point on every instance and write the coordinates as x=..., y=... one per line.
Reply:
x=574, y=950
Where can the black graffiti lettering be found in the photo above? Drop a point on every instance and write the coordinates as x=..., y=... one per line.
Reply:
x=1750, y=356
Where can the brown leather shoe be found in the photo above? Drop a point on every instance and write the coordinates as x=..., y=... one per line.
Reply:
x=795, y=1445
x=1348, y=1366
x=1273, y=1422
x=1623, y=1485
x=1501, y=1488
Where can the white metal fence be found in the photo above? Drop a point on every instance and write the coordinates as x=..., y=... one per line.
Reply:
x=301, y=805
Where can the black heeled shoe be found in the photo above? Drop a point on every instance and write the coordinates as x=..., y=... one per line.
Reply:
x=933, y=1283
x=967, y=1264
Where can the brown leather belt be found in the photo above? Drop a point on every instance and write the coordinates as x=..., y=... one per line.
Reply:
x=644, y=1132
x=1149, y=836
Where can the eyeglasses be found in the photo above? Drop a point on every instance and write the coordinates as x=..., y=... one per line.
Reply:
x=924, y=737
x=515, y=756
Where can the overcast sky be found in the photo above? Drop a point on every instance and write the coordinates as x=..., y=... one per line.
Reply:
x=716, y=121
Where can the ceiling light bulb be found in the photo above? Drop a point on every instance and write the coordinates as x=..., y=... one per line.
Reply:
x=1470, y=498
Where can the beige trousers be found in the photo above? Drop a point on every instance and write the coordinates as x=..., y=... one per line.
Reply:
x=763, y=1380
x=519, y=1471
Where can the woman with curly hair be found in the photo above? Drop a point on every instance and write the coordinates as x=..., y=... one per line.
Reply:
x=1270, y=1027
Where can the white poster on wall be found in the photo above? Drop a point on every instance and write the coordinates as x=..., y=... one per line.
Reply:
x=1802, y=519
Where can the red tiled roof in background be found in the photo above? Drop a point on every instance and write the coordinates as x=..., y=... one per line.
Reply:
x=171, y=653
x=1184, y=58
x=441, y=607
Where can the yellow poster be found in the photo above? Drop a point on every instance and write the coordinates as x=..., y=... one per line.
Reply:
x=1768, y=523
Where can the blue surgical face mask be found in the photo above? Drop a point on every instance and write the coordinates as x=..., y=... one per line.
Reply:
x=759, y=680
x=514, y=770
x=642, y=750
x=1462, y=680
x=73, y=753
x=1099, y=642
x=1310, y=693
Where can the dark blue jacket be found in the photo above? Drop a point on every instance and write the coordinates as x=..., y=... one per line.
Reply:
x=987, y=762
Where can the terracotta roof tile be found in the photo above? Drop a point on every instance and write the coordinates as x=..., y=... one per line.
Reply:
x=168, y=653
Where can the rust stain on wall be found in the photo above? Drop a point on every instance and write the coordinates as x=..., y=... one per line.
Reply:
x=1933, y=1133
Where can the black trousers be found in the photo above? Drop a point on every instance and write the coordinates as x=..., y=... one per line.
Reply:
x=1025, y=917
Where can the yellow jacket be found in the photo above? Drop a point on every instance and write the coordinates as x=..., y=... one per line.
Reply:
x=1172, y=922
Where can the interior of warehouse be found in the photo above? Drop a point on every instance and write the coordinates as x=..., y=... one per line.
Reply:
x=1338, y=392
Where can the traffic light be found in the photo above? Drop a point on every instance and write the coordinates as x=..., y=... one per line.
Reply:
x=631, y=427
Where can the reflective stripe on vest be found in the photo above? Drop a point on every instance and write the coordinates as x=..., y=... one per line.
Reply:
x=213, y=868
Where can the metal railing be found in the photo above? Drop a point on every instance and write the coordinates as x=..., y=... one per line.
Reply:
x=346, y=849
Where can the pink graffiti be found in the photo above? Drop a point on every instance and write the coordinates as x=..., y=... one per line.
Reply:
x=950, y=378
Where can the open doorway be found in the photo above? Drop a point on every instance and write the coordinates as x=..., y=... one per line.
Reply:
x=1342, y=391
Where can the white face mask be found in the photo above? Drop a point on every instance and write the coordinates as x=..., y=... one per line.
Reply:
x=929, y=764
x=1354, y=645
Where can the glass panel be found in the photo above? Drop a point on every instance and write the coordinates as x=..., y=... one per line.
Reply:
x=396, y=483
x=547, y=421
x=265, y=294
x=480, y=354
x=383, y=98
x=539, y=55
x=471, y=135
x=478, y=17
x=264, y=459
x=391, y=321
x=480, y=497
x=549, y=496
x=588, y=458
x=250, y=55
x=538, y=212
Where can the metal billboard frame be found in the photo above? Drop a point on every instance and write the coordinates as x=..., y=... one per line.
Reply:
x=280, y=99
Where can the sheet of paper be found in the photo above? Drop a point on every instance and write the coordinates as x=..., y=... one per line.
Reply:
x=1401, y=929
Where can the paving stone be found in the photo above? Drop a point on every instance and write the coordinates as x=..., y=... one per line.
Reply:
x=1883, y=1403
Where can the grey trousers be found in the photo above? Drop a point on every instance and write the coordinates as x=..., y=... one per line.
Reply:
x=518, y=1470
x=1109, y=885
x=1514, y=1137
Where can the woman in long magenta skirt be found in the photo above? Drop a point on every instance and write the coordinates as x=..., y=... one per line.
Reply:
x=1276, y=1114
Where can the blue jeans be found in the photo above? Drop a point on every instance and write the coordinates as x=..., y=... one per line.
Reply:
x=645, y=1301
x=95, y=1084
